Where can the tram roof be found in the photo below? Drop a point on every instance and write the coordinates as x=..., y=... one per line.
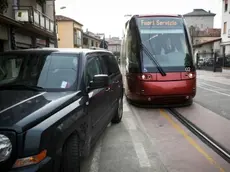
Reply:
x=158, y=15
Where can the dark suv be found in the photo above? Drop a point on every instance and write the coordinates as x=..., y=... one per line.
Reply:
x=54, y=104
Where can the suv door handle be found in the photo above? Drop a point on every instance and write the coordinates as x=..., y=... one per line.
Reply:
x=107, y=89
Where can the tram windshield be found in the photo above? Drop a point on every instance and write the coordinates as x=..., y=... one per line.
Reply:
x=167, y=41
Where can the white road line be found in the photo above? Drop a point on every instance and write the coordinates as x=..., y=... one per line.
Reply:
x=139, y=147
x=96, y=158
x=215, y=91
x=202, y=83
x=142, y=155
x=125, y=108
x=130, y=124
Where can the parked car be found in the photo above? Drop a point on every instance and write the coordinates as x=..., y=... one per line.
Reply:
x=54, y=105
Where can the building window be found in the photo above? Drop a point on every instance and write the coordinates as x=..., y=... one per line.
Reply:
x=85, y=41
x=197, y=41
x=79, y=37
x=225, y=5
x=225, y=28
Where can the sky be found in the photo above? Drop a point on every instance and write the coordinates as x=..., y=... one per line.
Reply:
x=106, y=16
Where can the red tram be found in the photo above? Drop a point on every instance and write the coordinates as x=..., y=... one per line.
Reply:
x=157, y=61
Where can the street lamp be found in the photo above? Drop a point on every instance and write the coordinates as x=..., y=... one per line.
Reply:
x=55, y=24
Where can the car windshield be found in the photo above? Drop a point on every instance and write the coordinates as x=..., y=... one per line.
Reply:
x=41, y=70
x=165, y=38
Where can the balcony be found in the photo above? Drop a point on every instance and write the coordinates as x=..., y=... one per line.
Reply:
x=29, y=15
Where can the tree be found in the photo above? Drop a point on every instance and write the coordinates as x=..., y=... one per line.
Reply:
x=103, y=44
x=194, y=32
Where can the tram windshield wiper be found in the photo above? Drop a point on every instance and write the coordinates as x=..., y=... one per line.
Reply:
x=153, y=59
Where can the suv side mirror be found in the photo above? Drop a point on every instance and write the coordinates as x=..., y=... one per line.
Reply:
x=99, y=81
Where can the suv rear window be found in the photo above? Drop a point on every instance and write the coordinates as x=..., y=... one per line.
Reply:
x=111, y=64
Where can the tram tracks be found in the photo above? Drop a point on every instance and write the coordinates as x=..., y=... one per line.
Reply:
x=208, y=140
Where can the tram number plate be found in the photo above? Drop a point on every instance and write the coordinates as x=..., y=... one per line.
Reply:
x=187, y=69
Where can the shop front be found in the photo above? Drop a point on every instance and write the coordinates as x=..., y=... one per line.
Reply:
x=40, y=43
x=23, y=41
x=52, y=44
x=3, y=38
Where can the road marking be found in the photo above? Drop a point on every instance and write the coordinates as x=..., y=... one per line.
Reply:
x=214, y=79
x=190, y=140
x=215, y=91
x=130, y=124
x=139, y=147
x=142, y=155
x=202, y=83
x=125, y=108
x=96, y=158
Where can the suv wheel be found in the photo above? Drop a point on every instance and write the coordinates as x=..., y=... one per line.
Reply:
x=119, y=112
x=71, y=155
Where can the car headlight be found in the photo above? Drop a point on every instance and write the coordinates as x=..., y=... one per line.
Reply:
x=5, y=148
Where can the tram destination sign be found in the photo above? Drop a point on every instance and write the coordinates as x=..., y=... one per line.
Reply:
x=160, y=22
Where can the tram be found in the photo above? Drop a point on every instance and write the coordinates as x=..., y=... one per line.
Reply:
x=157, y=61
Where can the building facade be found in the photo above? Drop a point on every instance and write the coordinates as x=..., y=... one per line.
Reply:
x=91, y=40
x=27, y=24
x=69, y=32
x=225, y=32
x=199, y=18
x=114, y=45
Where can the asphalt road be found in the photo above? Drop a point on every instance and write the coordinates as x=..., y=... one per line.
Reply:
x=151, y=140
x=214, y=96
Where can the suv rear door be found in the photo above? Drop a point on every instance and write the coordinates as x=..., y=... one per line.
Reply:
x=112, y=69
x=98, y=98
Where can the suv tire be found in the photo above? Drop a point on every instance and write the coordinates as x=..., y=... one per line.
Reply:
x=71, y=155
x=119, y=112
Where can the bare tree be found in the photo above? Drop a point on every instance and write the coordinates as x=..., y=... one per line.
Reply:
x=194, y=32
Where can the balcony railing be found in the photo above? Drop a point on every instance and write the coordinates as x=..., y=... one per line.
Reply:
x=28, y=14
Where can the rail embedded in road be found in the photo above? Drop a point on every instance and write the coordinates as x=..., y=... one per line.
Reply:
x=213, y=144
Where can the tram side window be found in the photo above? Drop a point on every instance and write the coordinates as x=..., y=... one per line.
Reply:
x=132, y=50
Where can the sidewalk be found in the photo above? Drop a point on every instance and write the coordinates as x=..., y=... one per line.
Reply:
x=223, y=78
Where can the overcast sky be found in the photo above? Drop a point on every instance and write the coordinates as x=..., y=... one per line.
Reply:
x=106, y=16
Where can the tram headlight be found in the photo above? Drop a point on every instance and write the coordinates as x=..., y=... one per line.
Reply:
x=143, y=77
x=146, y=76
x=5, y=147
x=190, y=75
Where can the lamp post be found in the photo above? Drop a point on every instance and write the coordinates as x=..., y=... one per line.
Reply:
x=63, y=7
x=55, y=24
x=127, y=15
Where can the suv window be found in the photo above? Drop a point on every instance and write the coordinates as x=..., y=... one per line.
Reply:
x=92, y=68
x=110, y=64
x=47, y=70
